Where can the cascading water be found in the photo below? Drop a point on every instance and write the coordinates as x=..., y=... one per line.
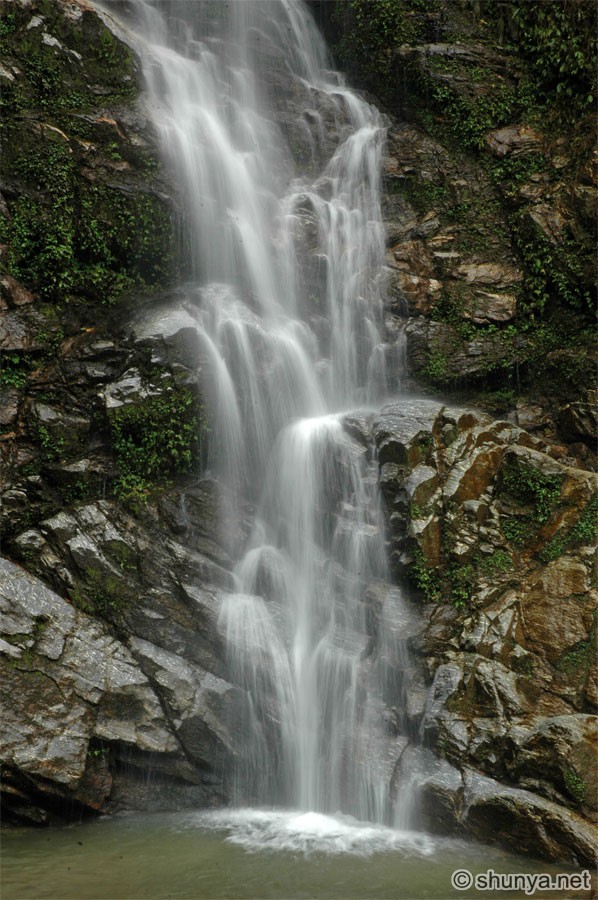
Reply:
x=286, y=296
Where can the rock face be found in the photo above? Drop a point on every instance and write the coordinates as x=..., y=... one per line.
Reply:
x=86, y=718
x=111, y=654
x=497, y=531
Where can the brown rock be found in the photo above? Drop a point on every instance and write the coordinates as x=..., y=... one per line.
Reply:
x=14, y=293
x=513, y=140
x=486, y=307
x=552, y=599
x=489, y=273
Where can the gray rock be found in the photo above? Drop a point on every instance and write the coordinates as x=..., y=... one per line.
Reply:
x=397, y=429
x=526, y=823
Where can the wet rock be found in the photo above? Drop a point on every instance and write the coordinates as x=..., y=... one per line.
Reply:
x=579, y=420
x=525, y=822
x=130, y=389
x=512, y=666
x=68, y=682
x=9, y=408
x=13, y=293
x=452, y=356
x=489, y=273
x=203, y=708
x=22, y=330
x=61, y=434
x=399, y=427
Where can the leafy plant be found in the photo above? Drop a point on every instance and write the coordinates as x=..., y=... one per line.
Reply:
x=584, y=531
x=154, y=439
x=530, y=486
x=425, y=577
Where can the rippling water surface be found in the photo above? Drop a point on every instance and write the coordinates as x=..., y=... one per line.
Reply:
x=247, y=853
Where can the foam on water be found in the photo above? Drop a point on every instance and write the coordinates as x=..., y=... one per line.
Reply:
x=295, y=831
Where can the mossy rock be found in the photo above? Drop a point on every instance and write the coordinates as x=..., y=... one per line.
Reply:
x=67, y=56
x=72, y=228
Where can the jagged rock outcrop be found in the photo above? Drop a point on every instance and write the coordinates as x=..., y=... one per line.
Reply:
x=469, y=803
x=497, y=530
x=87, y=716
x=117, y=670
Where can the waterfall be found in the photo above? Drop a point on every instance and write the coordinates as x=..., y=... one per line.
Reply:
x=278, y=164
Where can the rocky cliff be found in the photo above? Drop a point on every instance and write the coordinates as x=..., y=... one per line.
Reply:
x=111, y=659
x=111, y=654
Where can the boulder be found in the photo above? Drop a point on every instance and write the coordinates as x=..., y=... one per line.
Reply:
x=70, y=687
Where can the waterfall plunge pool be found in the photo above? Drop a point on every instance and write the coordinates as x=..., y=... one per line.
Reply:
x=245, y=853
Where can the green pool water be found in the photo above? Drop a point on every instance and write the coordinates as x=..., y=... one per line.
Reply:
x=245, y=854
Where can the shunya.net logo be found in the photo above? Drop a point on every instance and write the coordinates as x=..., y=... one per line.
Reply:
x=463, y=880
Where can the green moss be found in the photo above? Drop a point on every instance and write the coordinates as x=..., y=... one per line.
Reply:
x=155, y=439
x=498, y=562
x=577, y=659
x=575, y=785
x=425, y=195
x=528, y=486
x=103, y=595
x=583, y=532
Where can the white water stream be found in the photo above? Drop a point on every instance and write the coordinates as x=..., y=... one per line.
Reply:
x=279, y=166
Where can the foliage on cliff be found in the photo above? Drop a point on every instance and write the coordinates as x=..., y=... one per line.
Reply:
x=81, y=219
x=501, y=93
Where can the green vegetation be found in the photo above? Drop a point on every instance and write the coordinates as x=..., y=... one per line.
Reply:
x=584, y=531
x=52, y=446
x=71, y=230
x=103, y=595
x=559, y=40
x=74, y=237
x=462, y=579
x=455, y=581
x=498, y=562
x=370, y=34
x=517, y=530
x=552, y=270
x=543, y=76
x=55, y=81
x=575, y=785
x=155, y=439
x=425, y=577
x=14, y=369
x=528, y=486
x=424, y=195
x=578, y=659
x=437, y=368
